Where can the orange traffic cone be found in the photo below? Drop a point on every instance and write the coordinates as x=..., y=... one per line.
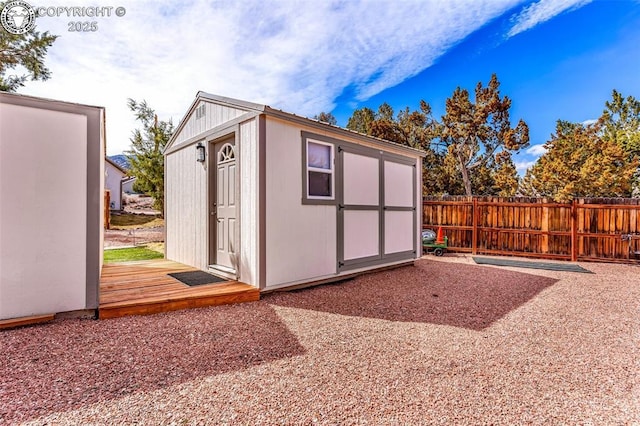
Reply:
x=440, y=236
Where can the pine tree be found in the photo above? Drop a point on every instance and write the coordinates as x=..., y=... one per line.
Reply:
x=479, y=130
x=146, y=155
x=24, y=51
x=416, y=129
x=580, y=162
x=505, y=176
x=326, y=117
x=621, y=122
x=360, y=121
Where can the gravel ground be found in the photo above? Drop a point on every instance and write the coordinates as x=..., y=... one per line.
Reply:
x=443, y=342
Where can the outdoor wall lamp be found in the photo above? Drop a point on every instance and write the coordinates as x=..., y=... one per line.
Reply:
x=200, y=153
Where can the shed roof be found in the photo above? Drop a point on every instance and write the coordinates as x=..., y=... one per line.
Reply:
x=38, y=102
x=266, y=109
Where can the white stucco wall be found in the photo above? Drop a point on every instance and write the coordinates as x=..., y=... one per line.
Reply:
x=43, y=211
x=113, y=178
x=127, y=186
x=300, y=239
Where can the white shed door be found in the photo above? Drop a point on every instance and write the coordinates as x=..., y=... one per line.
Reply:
x=361, y=199
x=399, y=202
x=224, y=207
x=377, y=220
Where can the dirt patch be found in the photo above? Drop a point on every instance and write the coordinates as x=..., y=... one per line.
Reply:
x=132, y=237
x=132, y=228
x=139, y=203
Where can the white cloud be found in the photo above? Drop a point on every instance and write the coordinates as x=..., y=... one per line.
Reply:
x=522, y=166
x=542, y=11
x=537, y=150
x=589, y=122
x=295, y=55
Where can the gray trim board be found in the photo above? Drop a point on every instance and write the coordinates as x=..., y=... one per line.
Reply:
x=95, y=123
x=212, y=133
x=318, y=201
x=44, y=103
x=381, y=202
x=238, y=234
x=398, y=209
x=267, y=110
x=212, y=187
x=262, y=197
x=419, y=216
x=358, y=207
x=220, y=100
x=108, y=160
x=340, y=131
x=235, y=103
x=417, y=180
x=164, y=207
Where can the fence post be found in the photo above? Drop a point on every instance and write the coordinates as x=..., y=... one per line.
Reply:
x=574, y=231
x=474, y=232
x=544, y=227
x=107, y=210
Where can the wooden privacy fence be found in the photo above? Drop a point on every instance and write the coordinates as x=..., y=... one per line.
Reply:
x=585, y=229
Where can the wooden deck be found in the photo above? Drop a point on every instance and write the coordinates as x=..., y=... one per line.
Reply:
x=141, y=288
x=22, y=321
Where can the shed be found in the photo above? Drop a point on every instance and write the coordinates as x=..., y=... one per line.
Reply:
x=274, y=200
x=51, y=195
x=127, y=185
x=114, y=177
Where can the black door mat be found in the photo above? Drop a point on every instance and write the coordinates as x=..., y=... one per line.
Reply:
x=193, y=278
x=566, y=267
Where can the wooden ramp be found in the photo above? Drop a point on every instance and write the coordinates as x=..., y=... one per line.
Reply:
x=142, y=288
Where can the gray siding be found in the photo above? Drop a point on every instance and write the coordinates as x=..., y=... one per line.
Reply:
x=214, y=115
x=249, y=207
x=186, y=209
x=186, y=204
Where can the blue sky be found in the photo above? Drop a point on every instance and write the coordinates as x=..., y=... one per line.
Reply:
x=556, y=59
x=564, y=68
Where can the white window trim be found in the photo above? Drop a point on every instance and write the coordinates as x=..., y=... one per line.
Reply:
x=330, y=171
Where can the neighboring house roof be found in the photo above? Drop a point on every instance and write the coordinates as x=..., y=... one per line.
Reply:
x=265, y=109
x=124, y=172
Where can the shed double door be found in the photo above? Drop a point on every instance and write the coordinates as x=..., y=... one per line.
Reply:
x=223, y=206
x=377, y=220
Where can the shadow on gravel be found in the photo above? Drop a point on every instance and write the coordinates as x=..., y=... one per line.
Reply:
x=434, y=292
x=64, y=365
